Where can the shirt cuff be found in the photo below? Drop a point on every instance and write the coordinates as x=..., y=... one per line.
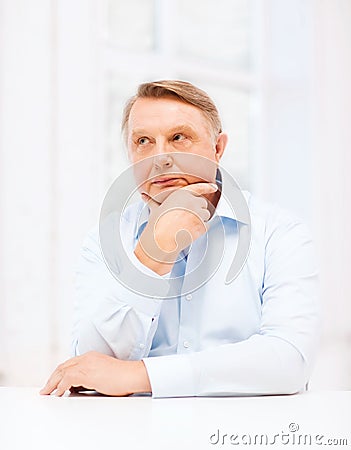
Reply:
x=139, y=265
x=171, y=376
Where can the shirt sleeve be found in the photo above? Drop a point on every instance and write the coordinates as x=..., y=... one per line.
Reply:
x=108, y=317
x=277, y=359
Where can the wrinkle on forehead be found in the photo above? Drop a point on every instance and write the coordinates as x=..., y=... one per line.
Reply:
x=166, y=113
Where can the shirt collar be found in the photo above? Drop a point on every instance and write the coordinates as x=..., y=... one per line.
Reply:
x=142, y=218
x=232, y=208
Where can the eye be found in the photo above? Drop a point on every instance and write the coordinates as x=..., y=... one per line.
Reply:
x=179, y=137
x=143, y=140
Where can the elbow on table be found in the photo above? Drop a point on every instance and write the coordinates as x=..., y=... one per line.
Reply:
x=293, y=377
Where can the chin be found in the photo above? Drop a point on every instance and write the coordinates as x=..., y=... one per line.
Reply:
x=161, y=194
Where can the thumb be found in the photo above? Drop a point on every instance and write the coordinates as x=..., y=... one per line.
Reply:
x=201, y=188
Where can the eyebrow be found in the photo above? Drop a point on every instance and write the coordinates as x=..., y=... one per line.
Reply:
x=181, y=128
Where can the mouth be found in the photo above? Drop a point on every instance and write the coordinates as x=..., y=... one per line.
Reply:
x=165, y=181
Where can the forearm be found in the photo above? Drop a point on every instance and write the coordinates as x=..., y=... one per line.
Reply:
x=155, y=264
x=261, y=365
x=116, y=328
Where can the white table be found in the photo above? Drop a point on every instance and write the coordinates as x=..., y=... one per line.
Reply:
x=31, y=421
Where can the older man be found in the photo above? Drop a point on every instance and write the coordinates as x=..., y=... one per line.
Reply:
x=253, y=336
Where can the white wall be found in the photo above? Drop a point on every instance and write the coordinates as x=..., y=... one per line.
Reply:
x=332, y=185
x=281, y=163
x=49, y=177
x=302, y=154
x=26, y=139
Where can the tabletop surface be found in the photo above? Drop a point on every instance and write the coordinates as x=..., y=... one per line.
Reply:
x=86, y=421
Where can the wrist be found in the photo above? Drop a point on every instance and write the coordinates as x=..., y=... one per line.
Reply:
x=141, y=382
x=158, y=266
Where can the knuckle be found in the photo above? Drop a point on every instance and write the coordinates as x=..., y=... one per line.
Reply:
x=60, y=371
x=206, y=215
x=91, y=355
x=202, y=202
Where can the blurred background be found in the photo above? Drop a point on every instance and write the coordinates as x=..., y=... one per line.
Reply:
x=280, y=73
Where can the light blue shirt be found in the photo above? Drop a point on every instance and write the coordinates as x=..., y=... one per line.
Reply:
x=254, y=336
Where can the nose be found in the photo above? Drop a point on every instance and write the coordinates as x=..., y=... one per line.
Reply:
x=163, y=161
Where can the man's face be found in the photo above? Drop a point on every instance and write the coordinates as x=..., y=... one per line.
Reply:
x=172, y=145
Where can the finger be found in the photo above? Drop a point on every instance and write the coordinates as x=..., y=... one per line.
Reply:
x=71, y=382
x=52, y=383
x=69, y=363
x=201, y=202
x=204, y=214
x=57, y=375
x=63, y=386
x=201, y=188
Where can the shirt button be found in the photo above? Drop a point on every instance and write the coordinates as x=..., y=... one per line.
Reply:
x=189, y=297
x=186, y=344
x=141, y=346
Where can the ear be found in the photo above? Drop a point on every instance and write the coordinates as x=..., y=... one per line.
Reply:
x=221, y=143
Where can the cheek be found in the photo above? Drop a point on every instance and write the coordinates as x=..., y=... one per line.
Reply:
x=142, y=170
x=145, y=187
x=197, y=167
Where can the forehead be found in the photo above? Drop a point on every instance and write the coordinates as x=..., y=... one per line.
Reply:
x=165, y=112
